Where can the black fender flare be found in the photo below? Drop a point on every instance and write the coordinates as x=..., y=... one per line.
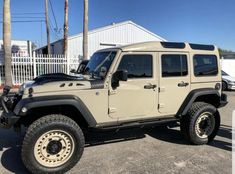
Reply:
x=44, y=101
x=193, y=95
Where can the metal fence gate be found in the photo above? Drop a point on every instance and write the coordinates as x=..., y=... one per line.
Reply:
x=26, y=68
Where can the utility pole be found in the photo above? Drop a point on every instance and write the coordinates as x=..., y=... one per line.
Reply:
x=7, y=42
x=47, y=28
x=66, y=14
x=85, y=30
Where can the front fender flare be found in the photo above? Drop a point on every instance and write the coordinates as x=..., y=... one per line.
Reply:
x=44, y=101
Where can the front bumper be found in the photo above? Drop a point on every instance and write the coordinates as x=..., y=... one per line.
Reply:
x=7, y=117
x=7, y=120
x=223, y=100
x=231, y=86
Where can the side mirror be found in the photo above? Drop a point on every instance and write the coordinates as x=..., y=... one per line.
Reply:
x=81, y=69
x=121, y=75
x=73, y=71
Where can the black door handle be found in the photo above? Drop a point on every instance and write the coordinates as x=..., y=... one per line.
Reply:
x=183, y=84
x=150, y=86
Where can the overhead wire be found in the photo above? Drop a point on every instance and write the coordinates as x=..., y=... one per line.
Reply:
x=25, y=17
x=53, y=29
x=25, y=21
x=28, y=16
x=53, y=13
x=25, y=14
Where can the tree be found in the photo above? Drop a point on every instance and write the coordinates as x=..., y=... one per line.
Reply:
x=7, y=42
x=66, y=10
x=221, y=51
x=85, y=30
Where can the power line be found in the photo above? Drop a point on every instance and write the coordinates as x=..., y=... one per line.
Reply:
x=53, y=31
x=41, y=34
x=26, y=21
x=27, y=13
x=52, y=9
x=24, y=14
x=25, y=17
x=52, y=27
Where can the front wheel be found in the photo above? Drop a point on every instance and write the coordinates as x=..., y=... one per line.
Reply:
x=52, y=144
x=201, y=123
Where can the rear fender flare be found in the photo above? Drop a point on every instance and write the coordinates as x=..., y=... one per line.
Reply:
x=193, y=95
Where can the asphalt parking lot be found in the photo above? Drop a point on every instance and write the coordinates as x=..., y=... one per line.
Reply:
x=140, y=151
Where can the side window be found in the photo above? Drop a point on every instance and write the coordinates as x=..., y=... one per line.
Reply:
x=205, y=65
x=174, y=65
x=138, y=66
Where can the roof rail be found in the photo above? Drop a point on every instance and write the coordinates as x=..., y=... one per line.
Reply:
x=202, y=47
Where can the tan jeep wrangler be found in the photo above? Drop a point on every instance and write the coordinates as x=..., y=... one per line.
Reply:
x=142, y=84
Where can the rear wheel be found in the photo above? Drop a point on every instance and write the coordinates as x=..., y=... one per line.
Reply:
x=52, y=144
x=224, y=86
x=201, y=123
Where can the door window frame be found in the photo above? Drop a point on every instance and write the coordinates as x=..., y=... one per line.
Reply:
x=174, y=53
x=153, y=54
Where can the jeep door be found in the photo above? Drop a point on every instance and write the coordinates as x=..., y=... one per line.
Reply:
x=138, y=96
x=174, y=84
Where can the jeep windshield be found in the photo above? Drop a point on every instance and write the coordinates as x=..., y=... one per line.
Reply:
x=99, y=64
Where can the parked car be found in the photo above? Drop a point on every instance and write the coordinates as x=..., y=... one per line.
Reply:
x=228, y=82
x=144, y=84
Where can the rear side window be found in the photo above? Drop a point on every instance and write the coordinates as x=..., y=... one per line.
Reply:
x=138, y=66
x=174, y=65
x=205, y=65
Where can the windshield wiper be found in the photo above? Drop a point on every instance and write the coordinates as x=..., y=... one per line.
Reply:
x=105, y=59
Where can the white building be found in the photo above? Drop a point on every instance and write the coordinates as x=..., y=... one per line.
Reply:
x=113, y=35
x=228, y=66
x=21, y=47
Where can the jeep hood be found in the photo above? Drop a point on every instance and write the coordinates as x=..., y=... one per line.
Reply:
x=60, y=82
x=47, y=78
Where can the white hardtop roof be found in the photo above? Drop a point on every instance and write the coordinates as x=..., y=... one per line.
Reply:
x=164, y=46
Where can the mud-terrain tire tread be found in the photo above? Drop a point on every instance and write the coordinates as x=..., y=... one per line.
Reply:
x=42, y=124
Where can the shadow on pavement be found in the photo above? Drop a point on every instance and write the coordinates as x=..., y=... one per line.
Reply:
x=99, y=138
x=11, y=160
x=173, y=136
x=10, y=146
x=169, y=135
x=11, y=157
x=224, y=132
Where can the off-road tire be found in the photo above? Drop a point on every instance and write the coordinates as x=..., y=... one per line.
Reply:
x=188, y=123
x=46, y=124
x=224, y=86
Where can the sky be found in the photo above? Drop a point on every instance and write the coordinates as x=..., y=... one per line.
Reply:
x=198, y=21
